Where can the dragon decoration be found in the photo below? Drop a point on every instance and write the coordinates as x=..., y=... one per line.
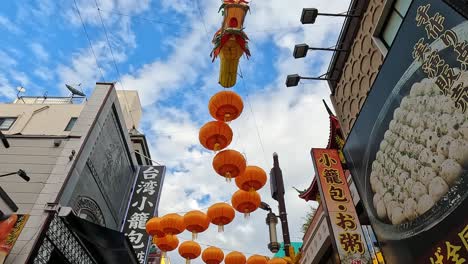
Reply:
x=230, y=41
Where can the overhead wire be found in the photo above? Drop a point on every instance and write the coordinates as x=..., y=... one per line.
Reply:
x=119, y=76
x=89, y=40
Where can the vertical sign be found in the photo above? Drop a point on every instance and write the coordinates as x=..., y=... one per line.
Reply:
x=342, y=217
x=10, y=229
x=143, y=206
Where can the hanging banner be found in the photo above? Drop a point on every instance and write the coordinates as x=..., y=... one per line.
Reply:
x=143, y=205
x=349, y=240
x=10, y=229
x=408, y=149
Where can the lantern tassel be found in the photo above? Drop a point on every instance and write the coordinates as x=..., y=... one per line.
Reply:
x=221, y=228
x=194, y=235
x=163, y=255
x=246, y=214
x=226, y=117
x=187, y=261
x=216, y=147
x=228, y=176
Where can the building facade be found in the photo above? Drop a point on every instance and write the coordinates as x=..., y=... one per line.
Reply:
x=79, y=153
x=388, y=50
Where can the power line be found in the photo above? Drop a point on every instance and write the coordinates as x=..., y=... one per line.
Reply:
x=225, y=249
x=89, y=40
x=201, y=15
x=115, y=63
x=253, y=116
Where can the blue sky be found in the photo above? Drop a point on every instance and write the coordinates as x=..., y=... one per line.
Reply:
x=161, y=48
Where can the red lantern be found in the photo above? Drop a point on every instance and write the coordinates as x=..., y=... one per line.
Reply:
x=235, y=258
x=172, y=224
x=221, y=214
x=253, y=178
x=166, y=243
x=257, y=259
x=229, y=163
x=153, y=227
x=212, y=255
x=196, y=222
x=189, y=250
x=245, y=202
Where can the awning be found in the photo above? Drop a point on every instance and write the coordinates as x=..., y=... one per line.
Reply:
x=104, y=244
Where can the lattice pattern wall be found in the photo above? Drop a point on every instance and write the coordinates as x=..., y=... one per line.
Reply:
x=360, y=70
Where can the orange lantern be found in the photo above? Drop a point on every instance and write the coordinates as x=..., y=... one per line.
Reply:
x=253, y=178
x=225, y=106
x=196, y=222
x=212, y=255
x=189, y=250
x=215, y=135
x=245, y=202
x=229, y=163
x=221, y=214
x=257, y=259
x=277, y=261
x=166, y=243
x=172, y=224
x=153, y=227
x=235, y=258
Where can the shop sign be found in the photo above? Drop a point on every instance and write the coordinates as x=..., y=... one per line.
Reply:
x=10, y=229
x=343, y=219
x=143, y=206
x=408, y=149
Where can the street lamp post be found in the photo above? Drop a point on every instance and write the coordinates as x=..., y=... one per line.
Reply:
x=7, y=205
x=277, y=192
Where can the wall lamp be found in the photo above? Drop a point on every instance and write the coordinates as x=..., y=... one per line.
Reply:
x=20, y=173
x=4, y=140
x=309, y=15
x=293, y=79
x=271, y=221
x=300, y=50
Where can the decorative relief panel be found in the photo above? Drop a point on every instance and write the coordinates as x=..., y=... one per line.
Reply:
x=360, y=70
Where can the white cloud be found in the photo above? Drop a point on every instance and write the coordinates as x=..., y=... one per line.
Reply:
x=39, y=51
x=6, y=89
x=7, y=24
x=6, y=60
x=44, y=73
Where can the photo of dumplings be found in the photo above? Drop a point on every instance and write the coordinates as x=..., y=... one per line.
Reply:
x=422, y=155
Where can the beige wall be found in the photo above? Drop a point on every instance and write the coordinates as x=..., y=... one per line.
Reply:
x=131, y=107
x=40, y=119
x=360, y=69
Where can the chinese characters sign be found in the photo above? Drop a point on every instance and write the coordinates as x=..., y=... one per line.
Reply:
x=143, y=206
x=349, y=239
x=433, y=64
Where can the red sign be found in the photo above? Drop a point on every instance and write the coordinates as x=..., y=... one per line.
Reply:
x=10, y=229
x=343, y=219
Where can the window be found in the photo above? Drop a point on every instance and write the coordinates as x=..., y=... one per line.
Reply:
x=6, y=122
x=71, y=123
x=390, y=22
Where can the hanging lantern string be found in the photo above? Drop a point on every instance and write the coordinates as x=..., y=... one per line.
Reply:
x=201, y=209
x=225, y=249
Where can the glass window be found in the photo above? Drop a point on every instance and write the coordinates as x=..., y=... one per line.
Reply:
x=71, y=123
x=6, y=122
x=393, y=21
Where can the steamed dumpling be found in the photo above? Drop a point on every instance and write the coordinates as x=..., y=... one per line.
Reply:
x=451, y=171
x=437, y=188
x=458, y=151
x=410, y=209
x=424, y=204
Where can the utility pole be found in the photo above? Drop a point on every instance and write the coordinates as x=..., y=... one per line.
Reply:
x=277, y=192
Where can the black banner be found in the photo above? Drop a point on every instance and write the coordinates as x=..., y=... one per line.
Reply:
x=143, y=206
x=408, y=150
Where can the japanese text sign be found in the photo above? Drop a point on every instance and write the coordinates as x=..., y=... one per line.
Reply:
x=343, y=219
x=143, y=206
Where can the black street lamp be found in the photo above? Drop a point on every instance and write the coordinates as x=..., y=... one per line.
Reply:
x=300, y=50
x=7, y=205
x=271, y=221
x=277, y=193
x=293, y=79
x=309, y=15
x=4, y=140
